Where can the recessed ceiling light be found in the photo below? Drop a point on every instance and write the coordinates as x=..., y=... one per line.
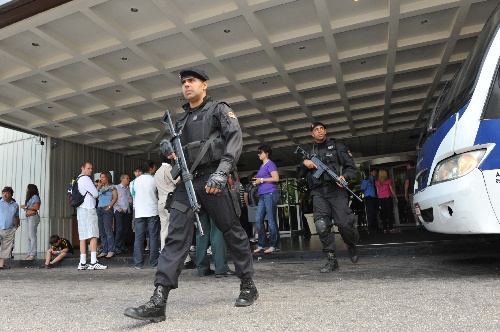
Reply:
x=265, y=82
x=363, y=62
x=302, y=48
x=44, y=81
x=113, y=113
x=118, y=90
x=227, y=31
x=423, y=22
x=56, y=126
x=134, y=10
x=124, y=58
x=35, y=44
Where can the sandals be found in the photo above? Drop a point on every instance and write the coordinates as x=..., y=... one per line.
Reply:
x=28, y=258
x=108, y=256
x=101, y=256
x=258, y=250
x=271, y=250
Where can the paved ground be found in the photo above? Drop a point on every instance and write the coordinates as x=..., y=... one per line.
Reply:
x=426, y=286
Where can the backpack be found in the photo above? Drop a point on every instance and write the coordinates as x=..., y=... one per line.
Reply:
x=75, y=198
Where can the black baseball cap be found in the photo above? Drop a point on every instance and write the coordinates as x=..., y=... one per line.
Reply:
x=194, y=72
x=316, y=124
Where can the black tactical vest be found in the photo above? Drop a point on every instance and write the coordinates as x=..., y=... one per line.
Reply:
x=195, y=128
x=328, y=153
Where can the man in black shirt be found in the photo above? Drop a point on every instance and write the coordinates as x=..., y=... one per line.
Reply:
x=203, y=120
x=330, y=200
x=60, y=248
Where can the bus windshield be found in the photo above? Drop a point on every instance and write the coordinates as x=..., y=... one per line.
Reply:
x=463, y=83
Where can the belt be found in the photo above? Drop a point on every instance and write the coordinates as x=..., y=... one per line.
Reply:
x=204, y=170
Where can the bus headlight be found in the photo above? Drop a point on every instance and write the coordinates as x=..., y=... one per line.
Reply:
x=457, y=166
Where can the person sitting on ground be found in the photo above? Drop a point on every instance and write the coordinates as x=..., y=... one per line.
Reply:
x=60, y=248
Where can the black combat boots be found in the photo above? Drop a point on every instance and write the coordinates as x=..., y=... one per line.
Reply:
x=331, y=263
x=248, y=293
x=154, y=310
x=353, y=254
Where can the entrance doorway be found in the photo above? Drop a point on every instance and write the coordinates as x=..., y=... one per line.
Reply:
x=396, y=168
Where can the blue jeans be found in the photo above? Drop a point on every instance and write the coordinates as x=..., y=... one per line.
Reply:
x=105, y=223
x=152, y=224
x=267, y=206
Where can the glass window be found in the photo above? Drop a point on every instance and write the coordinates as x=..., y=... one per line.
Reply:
x=463, y=83
x=493, y=108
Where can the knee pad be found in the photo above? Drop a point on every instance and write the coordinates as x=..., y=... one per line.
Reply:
x=321, y=226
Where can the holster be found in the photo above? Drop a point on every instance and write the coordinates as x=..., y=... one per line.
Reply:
x=236, y=200
x=168, y=201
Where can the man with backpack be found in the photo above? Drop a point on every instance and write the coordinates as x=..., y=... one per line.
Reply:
x=86, y=215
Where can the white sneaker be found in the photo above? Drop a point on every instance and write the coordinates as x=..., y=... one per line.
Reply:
x=97, y=266
x=209, y=251
x=83, y=266
x=192, y=249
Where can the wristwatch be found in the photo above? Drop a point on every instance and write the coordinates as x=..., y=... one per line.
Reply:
x=261, y=180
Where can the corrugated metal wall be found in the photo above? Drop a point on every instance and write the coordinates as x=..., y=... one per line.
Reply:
x=66, y=161
x=51, y=167
x=23, y=161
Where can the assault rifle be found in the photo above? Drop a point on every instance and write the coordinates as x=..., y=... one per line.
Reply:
x=321, y=168
x=180, y=167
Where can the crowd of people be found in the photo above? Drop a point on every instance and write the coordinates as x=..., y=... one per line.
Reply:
x=157, y=206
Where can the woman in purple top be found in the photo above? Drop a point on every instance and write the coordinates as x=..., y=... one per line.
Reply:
x=266, y=179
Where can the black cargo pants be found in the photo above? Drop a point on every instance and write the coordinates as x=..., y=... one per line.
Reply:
x=180, y=232
x=331, y=203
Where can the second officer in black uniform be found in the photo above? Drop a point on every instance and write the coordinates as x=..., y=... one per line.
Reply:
x=330, y=200
x=202, y=118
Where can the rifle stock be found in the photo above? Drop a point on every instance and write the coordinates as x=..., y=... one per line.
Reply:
x=322, y=168
x=181, y=168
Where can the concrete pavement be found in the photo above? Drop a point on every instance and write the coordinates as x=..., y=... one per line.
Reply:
x=449, y=285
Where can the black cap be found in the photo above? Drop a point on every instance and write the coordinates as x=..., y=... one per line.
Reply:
x=195, y=72
x=315, y=124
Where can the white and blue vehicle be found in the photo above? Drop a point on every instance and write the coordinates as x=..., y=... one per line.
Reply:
x=457, y=187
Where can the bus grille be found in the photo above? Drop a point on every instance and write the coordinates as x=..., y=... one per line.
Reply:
x=427, y=215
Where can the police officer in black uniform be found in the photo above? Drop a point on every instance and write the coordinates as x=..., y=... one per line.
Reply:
x=330, y=200
x=202, y=118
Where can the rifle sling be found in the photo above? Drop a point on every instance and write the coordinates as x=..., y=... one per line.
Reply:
x=203, y=150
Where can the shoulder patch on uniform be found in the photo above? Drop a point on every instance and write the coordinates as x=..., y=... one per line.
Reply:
x=231, y=115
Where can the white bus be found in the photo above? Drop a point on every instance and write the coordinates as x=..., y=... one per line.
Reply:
x=457, y=187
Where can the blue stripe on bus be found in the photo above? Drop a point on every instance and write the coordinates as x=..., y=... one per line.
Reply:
x=430, y=147
x=489, y=132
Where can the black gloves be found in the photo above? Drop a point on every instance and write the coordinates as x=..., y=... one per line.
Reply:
x=217, y=180
x=166, y=148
